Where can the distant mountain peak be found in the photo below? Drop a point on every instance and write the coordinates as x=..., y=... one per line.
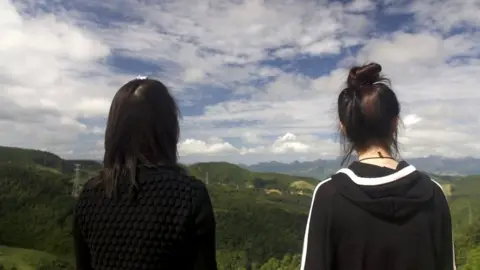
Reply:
x=321, y=168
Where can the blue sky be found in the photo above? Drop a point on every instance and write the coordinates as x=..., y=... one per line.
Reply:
x=256, y=80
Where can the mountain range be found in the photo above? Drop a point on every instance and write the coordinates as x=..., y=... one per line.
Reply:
x=323, y=168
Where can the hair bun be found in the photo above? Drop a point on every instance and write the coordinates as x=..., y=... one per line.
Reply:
x=364, y=75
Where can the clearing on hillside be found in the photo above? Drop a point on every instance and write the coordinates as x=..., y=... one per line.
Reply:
x=273, y=191
x=302, y=185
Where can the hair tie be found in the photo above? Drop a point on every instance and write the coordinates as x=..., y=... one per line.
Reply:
x=139, y=77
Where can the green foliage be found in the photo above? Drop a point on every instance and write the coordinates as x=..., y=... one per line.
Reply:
x=221, y=173
x=35, y=207
x=44, y=160
x=232, y=259
x=26, y=259
x=473, y=260
x=54, y=265
x=36, y=213
x=466, y=225
x=288, y=262
x=260, y=216
x=256, y=229
x=229, y=174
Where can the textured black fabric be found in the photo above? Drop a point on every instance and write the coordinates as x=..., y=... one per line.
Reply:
x=371, y=217
x=169, y=225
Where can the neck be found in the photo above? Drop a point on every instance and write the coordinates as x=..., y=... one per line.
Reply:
x=378, y=156
x=374, y=151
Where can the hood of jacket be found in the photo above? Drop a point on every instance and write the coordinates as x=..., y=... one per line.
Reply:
x=384, y=192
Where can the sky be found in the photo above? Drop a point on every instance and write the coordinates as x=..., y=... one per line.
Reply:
x=255, y=80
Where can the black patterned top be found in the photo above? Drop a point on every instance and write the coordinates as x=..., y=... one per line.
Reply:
x=169, y=225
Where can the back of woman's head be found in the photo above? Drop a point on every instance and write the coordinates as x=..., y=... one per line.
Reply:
x=368, y=110
x=142, y=129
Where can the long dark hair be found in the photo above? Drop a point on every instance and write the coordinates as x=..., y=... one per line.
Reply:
x=368, y=109
x=142, y=129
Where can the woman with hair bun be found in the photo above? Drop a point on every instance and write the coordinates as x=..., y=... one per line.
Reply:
x=379, y=212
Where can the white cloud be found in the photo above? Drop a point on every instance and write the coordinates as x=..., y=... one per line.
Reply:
x=446, y=15
x=193, y=146
x=59, y=70
x=47, y=64
x=251, y=138
x=411, y=120
x=207, y=35
x=361, y=5
x=287, y=143
x=281, y=147
x=437, y=97
x=323, y=47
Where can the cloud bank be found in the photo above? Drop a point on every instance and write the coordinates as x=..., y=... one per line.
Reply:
x=256, y=80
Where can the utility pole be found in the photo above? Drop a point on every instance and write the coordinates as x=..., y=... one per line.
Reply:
x=76, y=181
x=470, y=217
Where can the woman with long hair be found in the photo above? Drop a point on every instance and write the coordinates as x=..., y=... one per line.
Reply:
x=143, y=211
x=379, y=212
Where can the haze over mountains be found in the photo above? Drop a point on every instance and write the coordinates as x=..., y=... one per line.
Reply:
x=319, y=169
x=322, y=168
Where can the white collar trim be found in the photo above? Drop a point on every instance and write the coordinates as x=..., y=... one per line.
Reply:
x=374, y=181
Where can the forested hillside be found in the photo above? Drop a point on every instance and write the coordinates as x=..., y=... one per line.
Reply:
x=260, y=216
x=252, y=211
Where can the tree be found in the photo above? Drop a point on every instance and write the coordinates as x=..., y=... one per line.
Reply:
x=259, y=183
x=473, y=260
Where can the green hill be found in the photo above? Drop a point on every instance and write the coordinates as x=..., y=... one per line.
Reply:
x=44, y=160
x=35, y=207
x=28, y=259
x=229, y=174
x=36, y=210
x=217, y=172
x=221, y=173
x=252, y=210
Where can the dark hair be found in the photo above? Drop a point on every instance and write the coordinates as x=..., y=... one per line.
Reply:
x=368, y=109
x=142, y=129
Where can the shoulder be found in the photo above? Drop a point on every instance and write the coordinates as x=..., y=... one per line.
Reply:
x=325, y=190
x=434, y=184
x=322, y=200
x=173, y=173
x=189, y=188
x=440, y=192
x=178, y=179
x=90, y=188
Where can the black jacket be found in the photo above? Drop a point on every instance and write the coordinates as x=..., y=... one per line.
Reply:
x=371, y=217
x=169, y=225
